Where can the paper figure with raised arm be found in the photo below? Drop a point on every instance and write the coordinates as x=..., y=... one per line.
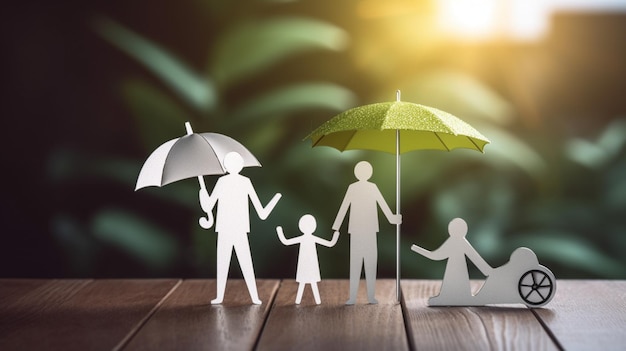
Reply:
x=456, y=284
x=521, y=280
x=308, y=271
x=232, y=194
x=363, y=199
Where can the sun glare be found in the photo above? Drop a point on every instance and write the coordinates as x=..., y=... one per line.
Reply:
x=471, y=18
x=511, y=19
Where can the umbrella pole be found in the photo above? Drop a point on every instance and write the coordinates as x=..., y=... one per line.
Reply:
x=189, y=131
x=398, y=212
x=204, y=222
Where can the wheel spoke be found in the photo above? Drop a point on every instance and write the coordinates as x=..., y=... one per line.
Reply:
x=532, y=275
x=526, y=297
x=543, y=298
x=543, y=279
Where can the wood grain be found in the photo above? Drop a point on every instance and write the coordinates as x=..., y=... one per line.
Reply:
x=587, y=315
x=333, y=325
x=188, y=321
x=14, y=289
x=79, y=315
x=507, y=327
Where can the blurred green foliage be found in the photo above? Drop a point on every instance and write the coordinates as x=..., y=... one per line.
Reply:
x=274, y=71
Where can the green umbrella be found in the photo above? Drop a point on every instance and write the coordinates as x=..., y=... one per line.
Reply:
x=397, y=127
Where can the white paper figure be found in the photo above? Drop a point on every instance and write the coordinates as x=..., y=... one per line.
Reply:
x=363, y=199
x=521, y=280
x=308, y=271
x=232, y=224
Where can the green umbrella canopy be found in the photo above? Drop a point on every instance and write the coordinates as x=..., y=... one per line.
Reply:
x=373, y=127
x=397, y=127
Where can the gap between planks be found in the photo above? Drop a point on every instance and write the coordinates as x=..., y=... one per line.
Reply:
x=143, y=321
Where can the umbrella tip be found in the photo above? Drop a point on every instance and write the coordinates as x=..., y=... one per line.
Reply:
x=188, y=128
x=398, y=95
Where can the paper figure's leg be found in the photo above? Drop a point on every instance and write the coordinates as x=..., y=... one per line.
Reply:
x=316, y=293
x=356, y=262
x=370, y=265
x=242, y=249
x=224, y=253
x=299, y=294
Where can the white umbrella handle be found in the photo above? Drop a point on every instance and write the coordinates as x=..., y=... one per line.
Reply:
x=205, y=222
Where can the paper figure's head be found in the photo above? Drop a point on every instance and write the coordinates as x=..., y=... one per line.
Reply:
x=363, y=170
x=307, y=224
x=233, y=162
x=457, y=228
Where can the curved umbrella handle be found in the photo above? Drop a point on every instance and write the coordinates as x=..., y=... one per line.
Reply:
x=206, y=222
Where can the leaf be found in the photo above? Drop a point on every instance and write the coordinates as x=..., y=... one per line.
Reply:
x=459, y=94
x=159, y=117
x=297, y=97
x=80, y=249
x=191, y=86
x=508, y=147
x=65, y=164
x=153, y=246
x=256, y=45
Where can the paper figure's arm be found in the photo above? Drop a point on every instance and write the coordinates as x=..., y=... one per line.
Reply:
x=435, y=255
x=328, y=243
x=207, y=202
x=343, y=209
x=391, y=217
x=263, y=212
x=283, y=239
x=477, y=260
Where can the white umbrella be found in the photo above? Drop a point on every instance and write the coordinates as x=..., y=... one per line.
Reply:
x=192, y=155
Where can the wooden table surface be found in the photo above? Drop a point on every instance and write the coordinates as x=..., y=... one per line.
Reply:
x=174, y=314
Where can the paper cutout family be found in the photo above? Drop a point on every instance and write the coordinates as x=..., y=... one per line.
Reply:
x=521, y=280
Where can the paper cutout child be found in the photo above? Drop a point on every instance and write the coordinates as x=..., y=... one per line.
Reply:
x=308, y=271
x=455, y=288
x=363, y=199
x=232, y=224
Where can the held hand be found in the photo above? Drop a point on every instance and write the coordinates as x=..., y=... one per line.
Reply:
x=333, y=241
x=396, y=219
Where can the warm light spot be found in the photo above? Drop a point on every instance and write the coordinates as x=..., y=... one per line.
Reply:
x=468, y=18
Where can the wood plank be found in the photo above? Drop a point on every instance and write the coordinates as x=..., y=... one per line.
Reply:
x=508, y=327
x=587, y=315
x=333, y=325
x=12, y=290
x=79, y=315
x=188, y=321
x=25, y=301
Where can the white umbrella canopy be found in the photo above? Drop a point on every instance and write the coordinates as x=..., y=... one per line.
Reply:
x=192, y=155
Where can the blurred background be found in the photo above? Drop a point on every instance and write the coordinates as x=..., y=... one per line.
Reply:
x=91, y=88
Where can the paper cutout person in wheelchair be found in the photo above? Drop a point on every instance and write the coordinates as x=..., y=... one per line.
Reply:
x=231, y=194
x=308, y=271
x=521, y=280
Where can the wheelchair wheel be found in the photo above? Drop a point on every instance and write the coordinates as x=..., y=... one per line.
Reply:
x=536, y=287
